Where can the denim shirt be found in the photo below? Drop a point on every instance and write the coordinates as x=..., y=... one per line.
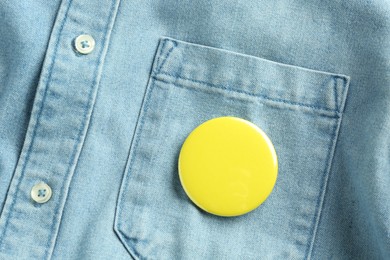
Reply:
x=103, y=130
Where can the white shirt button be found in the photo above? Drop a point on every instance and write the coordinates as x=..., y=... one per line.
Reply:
x=84, y=44
x=41, y=192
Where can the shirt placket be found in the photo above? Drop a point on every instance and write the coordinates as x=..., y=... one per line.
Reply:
x=59, y=121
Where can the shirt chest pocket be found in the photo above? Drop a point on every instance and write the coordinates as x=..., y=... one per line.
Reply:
x=299, y=109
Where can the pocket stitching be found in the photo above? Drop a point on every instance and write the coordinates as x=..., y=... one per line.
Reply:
x=336, y=96
x=338, y=101
x=144, y=109
x=321, y=109
x=324, y=187
x=160, y=65
x=133, y=147
x=127, y=173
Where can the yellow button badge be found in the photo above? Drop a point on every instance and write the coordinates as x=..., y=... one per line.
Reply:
x=228, y=166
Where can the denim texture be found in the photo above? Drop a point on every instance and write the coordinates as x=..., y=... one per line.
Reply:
x=104, y=130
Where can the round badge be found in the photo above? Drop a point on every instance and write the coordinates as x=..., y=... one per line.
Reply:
x=228, y=166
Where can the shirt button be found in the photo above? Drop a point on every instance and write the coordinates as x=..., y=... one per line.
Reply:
x=41, y=192
x=84, y=44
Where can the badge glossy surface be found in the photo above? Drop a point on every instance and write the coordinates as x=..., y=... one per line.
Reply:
x=228, y=166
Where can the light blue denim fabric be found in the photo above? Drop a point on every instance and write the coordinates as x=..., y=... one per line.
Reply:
x=104, y=130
